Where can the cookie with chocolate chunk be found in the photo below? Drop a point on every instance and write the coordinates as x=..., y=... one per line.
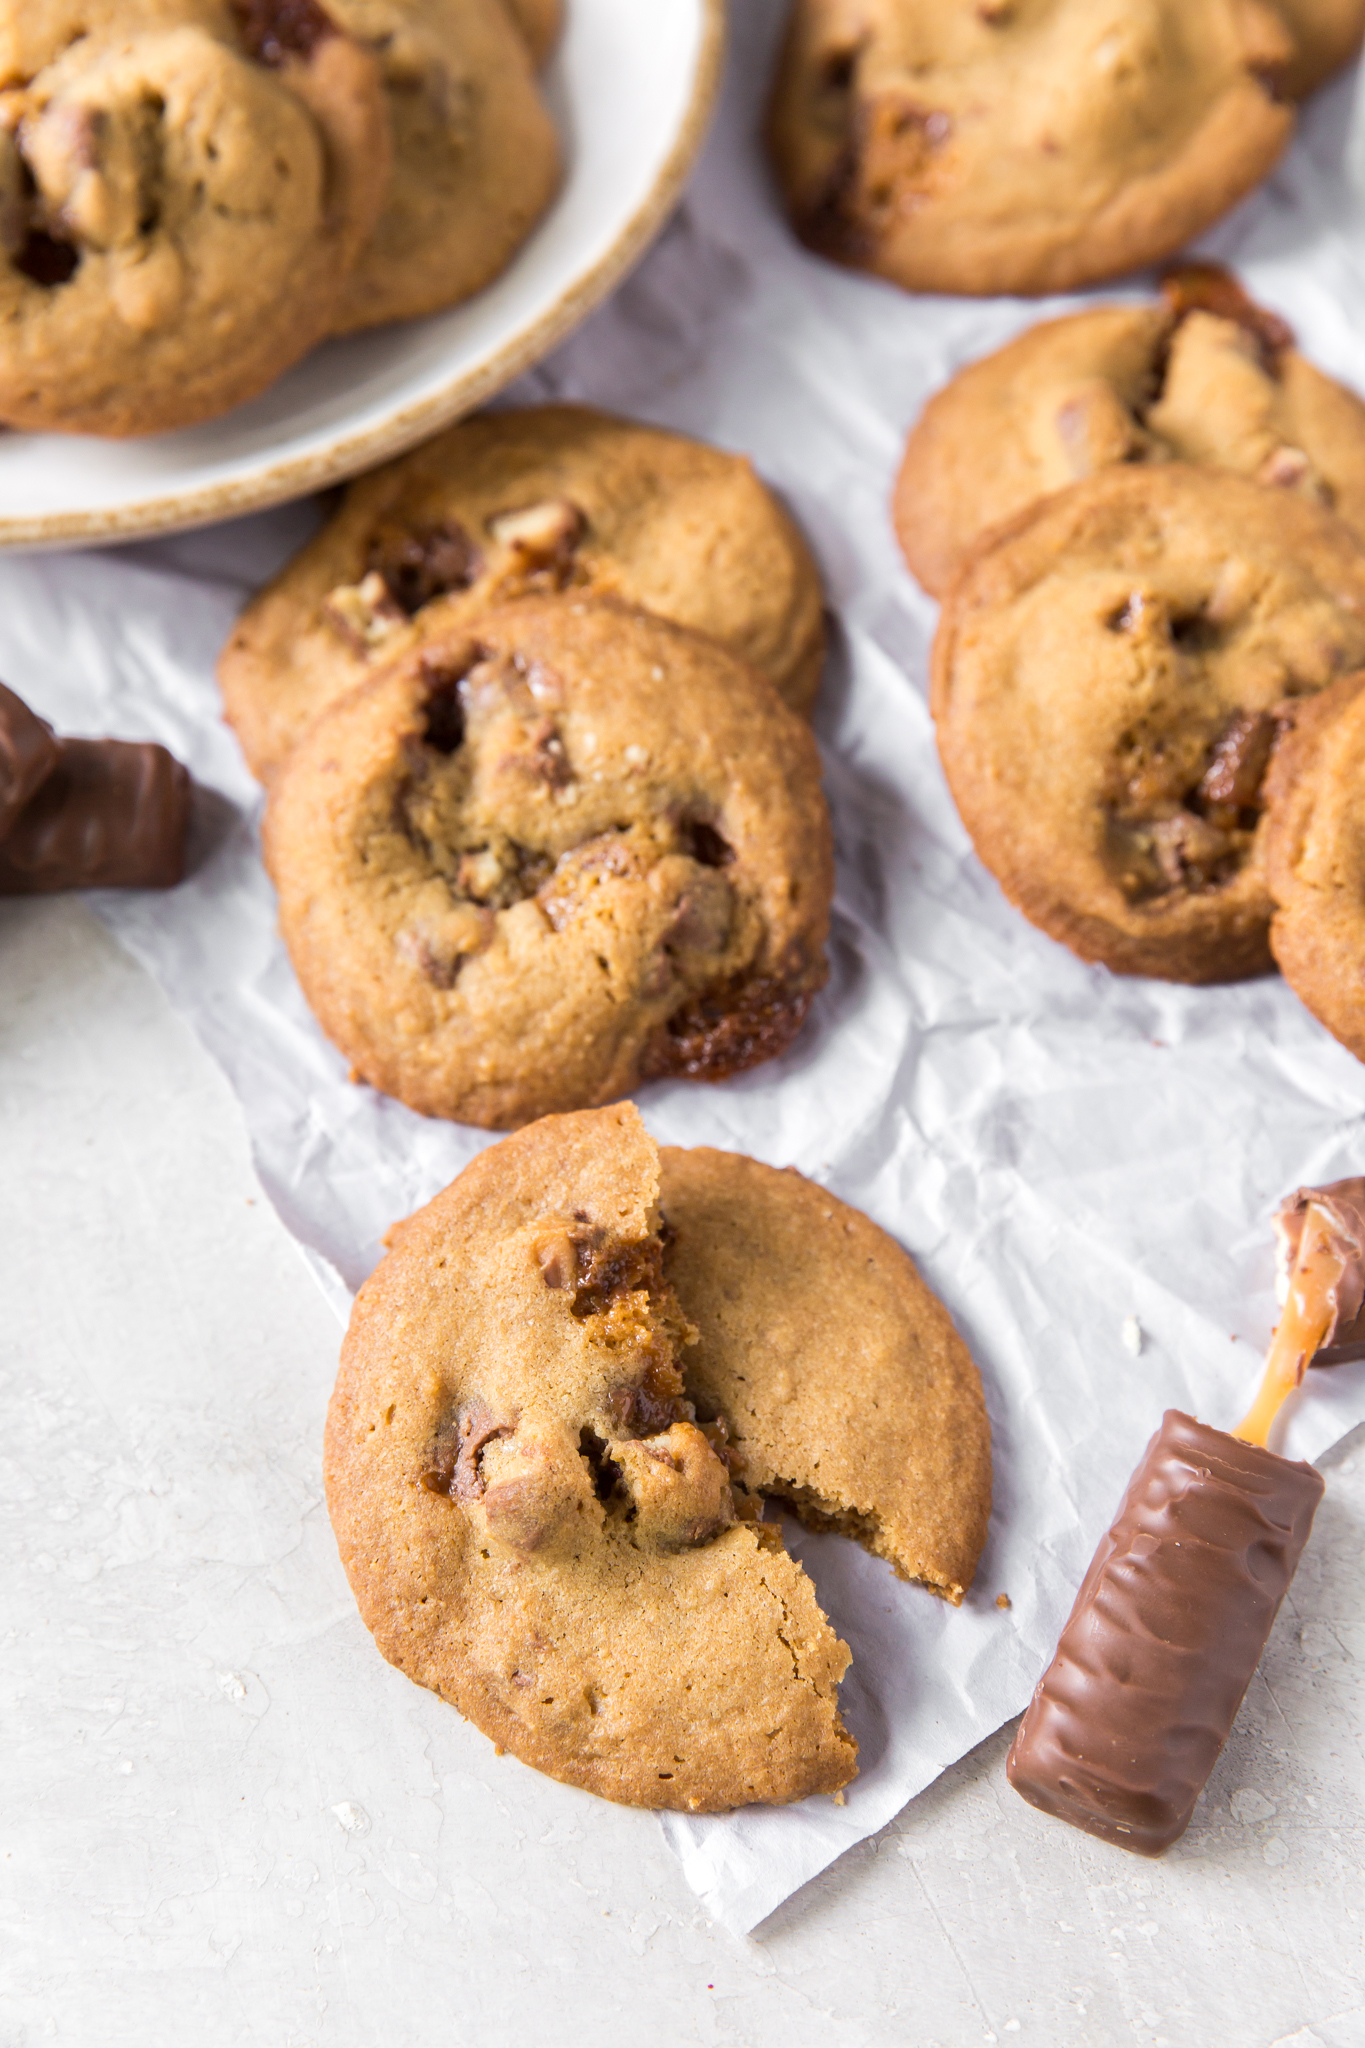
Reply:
x=561, y=1400
x=1022, y=145
x=1109, y=675
x=476, y=155
x=1205, y=376
x=1315, y=857
x=560, y=850
x=553, y=498
x=184, y=186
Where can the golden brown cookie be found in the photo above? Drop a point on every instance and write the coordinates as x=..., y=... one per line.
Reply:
x=1327, y=34
x=841, y=1381
x=184, y=185
x=1315, y=857
x=541, y=23
x=476, y=157
x=545, y=1517
x=555, y=497
x=1206, y=377
x=1108, y=676
x=561, y=850
x=1022, y=145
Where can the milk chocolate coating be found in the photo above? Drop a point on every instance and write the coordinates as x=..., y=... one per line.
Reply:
x=111, y=814
x=28, y=755
x=1344, y=1201
x=1167, y=1629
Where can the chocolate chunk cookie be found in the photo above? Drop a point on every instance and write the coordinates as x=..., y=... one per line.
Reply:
x=184, y=185
x=1315, y=857
x=553, y=498
x=546, y=1483
x=839, y=1377
x=1109, y=674
x=1327, y=34
x=556, y=852
x=476, y=155
x=541, y=22
x=1206, y=376
x=1022, y=145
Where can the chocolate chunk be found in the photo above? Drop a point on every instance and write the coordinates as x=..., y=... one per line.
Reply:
x=47, y=260
x=1237, y=765
x=28, y=755
x=457, y=1452
x=728, y=1029
x=275, y=30
x=1168, y=1628
x=110, y=815
x=419, y=566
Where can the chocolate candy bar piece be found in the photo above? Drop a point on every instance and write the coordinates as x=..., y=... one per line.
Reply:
x=28, y=755
x=112, y=814
x=1167, y=1629
x=1344, y=1202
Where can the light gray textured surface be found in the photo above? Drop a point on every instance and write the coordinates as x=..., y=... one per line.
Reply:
x=197, y=1839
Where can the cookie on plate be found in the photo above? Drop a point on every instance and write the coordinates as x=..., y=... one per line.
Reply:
x=1315, y=857
x=544, y=1520
x=1205, y=376
x=476, y=156
x=564, y=849
x=1008, y=147
x=555, y=497
x=541, y=23
x=185, y=186
x=1109, y=673
x=1327, y=34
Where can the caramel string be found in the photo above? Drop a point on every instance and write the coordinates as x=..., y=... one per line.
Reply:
x=1309, y=1311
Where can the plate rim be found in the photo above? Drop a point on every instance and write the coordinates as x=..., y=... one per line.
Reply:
x=299, y=475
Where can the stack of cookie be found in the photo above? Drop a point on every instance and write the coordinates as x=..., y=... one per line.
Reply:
x=1036, y=145
x=545, y=816
x=1145, y=681
x=195, y=192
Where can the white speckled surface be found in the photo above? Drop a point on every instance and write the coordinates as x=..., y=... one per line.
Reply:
x=199, y=1837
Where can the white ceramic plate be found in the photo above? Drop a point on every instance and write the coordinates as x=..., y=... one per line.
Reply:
x=632, y=88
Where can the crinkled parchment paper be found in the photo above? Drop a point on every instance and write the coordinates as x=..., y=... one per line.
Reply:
x=1060, y=1150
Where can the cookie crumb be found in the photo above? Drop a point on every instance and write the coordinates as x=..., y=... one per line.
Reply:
x=1002, y=1600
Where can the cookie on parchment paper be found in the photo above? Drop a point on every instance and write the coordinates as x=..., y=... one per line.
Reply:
x=1022, y=145
x=186, y=185
x=1315, y=858
x=1109, y=676
x=550, y=498
x=476, y=158
x=1204, y=376
x=562, y=850
x=543, y=1519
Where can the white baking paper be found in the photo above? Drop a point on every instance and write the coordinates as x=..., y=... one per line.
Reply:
x=1084, y=1167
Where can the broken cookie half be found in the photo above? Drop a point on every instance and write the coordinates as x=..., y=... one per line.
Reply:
x=562, y=1399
